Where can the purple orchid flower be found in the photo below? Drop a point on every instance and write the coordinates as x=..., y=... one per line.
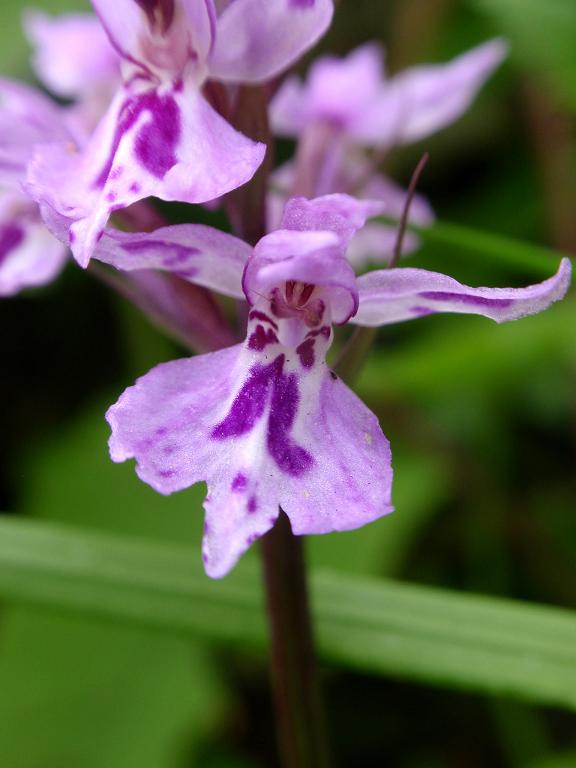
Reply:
x=348, y=104
x=267, y=424
x=160, y=135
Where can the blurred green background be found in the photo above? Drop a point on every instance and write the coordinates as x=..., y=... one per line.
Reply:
x=482, y=421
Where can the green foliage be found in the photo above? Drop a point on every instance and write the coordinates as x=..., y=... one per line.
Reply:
x=421, y=633
x=542, y=35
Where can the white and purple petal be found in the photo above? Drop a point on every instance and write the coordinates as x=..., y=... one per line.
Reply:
x=167, y=143
x=29, y=254
x=257, y=40
x=391, y=296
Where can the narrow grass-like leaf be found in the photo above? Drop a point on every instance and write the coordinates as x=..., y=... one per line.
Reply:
x=538, y=260
x=420, y=633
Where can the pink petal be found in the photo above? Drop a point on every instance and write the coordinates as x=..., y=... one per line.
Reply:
x=257, y=40
x=391, y=296
x=72, y=53
x=29, y=254
x=197, y=253
x=349, y=483
x=425, y=99
x=337, y=91
x=169, y=143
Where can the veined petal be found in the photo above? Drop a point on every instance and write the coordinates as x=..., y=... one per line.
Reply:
x=167, y=143
x=391, y=296
x=72, y=53
x=29, y=254
x=257, y=40
x=197, y=253
x=349, y=482
x=424, y=99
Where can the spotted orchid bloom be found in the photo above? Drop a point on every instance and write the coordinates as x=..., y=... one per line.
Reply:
x=347, y=105
x=266, y=423
x=160, y=136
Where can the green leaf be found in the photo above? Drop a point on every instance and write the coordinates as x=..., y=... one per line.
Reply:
x=542, y=35
x=498, y=248
x=431, y=635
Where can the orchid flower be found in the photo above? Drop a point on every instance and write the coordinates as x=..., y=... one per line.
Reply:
x=266, y=423
x=348, y=104
x=160, y=135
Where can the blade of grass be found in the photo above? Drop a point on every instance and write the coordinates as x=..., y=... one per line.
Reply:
x=415, y=632
x=539, y=260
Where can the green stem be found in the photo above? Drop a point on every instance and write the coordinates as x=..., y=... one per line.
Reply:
x=299, y=713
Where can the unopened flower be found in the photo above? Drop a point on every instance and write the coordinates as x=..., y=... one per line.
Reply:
x=160, y=135
x=267, y=424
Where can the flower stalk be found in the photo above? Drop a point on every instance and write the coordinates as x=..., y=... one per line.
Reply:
x=299, y=712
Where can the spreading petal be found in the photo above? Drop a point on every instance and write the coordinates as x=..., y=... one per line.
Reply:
x=29, y=254
x=391, y=296
x=72, y=53
x=168, y=422
x=27, y=117
x=167, y=143
x=200, y=254
x=349, y=482
x=257, y=40
x=422, y=100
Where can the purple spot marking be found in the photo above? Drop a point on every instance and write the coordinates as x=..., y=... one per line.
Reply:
x=111, y=196
x=251, y=539
x=248, y=405
x=135, y=187
x=301, y=3
x=166, y=473
x=464, y=298
x=155, y=142
x=291, y=458
x=248, y=408
x=240, y=482
x=11, y=236
x=252, y=505
x=255, y=314
x=306, y=353
x=161, y=431
x=259, y=339
x=422, y=311
x=324, y=331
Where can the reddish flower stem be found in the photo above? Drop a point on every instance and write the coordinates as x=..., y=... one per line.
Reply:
x=299, y=712
x=295, y=686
